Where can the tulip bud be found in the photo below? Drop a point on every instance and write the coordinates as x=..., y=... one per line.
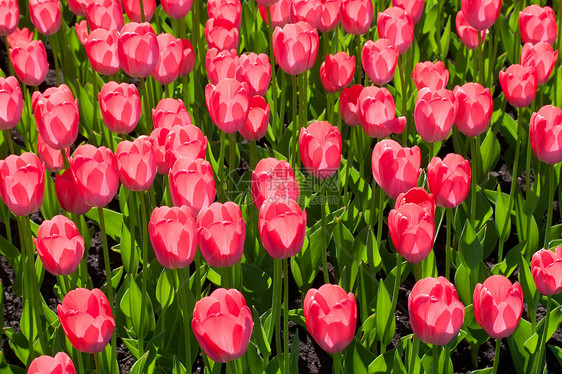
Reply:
x=295, y=47
x=481, y=14
x=449, y=179
x=45, y=15
x=228, y=103
x=51, y=158
x=256, y=123
x=136, y=163
x=228, y=10
x=329, y=15
x=432, y=75
x=468, y=34
x=308, y=11
x=221, y=65
x=282, y=227
x=356, y=16
x=336, y=72
x=397, y=26
x=377, y=113
x=320, y=147
x=414, y=7
x=434, y=114
x=538, y=24
x=221, y=34
x=192, y=184
x=349, y=104
x=176, y=9
x=133, y=10
x=475, y=107
x=105, y=14
x=22, y=183
x=170, y=61
x=120, y=107
x=279, y=12
x=379, y=60
x=30, y=62
x=23, y=35
x=519, y=85
x=67, y=194
x=544, y=134
x=11, y=103
x=273, y=181
x=9, y=16
x=255, y=70
x=61, y=363
x=546, y=267
x=185, y=142
x=101, y=48
x=138, y=49
x=540, y=56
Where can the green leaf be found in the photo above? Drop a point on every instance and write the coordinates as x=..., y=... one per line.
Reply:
x=386, y=324
x=259, y=335
x=357, y=358
x=530, y=293
x=165, y=288
x=113, y=221
x=503, y=221
x=131, y=307
x=383, y=363
x=446, y=38
x=470, y=249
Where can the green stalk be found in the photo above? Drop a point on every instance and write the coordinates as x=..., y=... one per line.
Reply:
x=528, y=187
x=493, y=56
x=435, y=362
x=62, y=285
x=336, y=366
x=274, y=119
x=231, y=162
x=474, y=166
x=80, y=362
x=276, y=307
x=349, y=165
x=10, y=66
x=97, y=363
x=403, y=94
x=414, y=353
x=294, y=125
x=438, y=28
x=10, y=143
x=550, y=205
x=517, y=39
x=132, y=226
x=141, y=3
x=394, y=294
x=324, y=193
x=286, y=315
x=183, y=275
x=83, y=264
x=55, y=58
x=146, y=105
x=330, y=107
x=380, y=214
x=27, y=283
x=253, y=154
x=27, y=99
x=556, y=84
x=480, y=59
x=226, y=277
x=449, y=214
x=358, y=52
x=497, y=356
x=221, y=165
x=197, y=275
x=542, y=347
x=144, y=228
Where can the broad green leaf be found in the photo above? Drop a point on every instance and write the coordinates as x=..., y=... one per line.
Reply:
x=165, y=288
x=386, y=324
x=470, y=249
x=357, y=358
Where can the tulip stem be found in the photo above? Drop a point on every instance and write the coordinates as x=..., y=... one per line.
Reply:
x=253, y=154
x=225, y=278
x=435, y=362
x=449, y=218
x=474, y=165
x=438, y=28
x=550, y=205
x=10, y=66
x=303, y=89
x=330, y=107
x=8, y=137
x=286, y=315
x=294, y=125
x=55, y=58
x=97, y=363
x=144, y=224
x=146, y=104
x=394, y=295
x=497, y=356
x=403, y=95
x=481, y=59
x=132, y=225
x=276, y=307
x=336, y=365
x=544, y=335
x=358, y=51
x=232, y=163
x=414, y=353
x=350, y=150
x=380, y=214
x=95, y=126
x=274, y=118
x=197, y=276
x=184, y=278
x=80, y=361
x=492, y=58
x=221, y=165
x=323, y=197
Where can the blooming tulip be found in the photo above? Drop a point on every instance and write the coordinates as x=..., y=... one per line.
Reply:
x=545, y=133
x=349, y=104
x=59, y=245
x=188, y=58
x=255, y=70
x=30, y=62
x=475, y=107
x=67, y=194
x=379, y=60
x=542, y=57
x=519, y=85
x=138, y=49
x=330, y=315
x=395, y=169
x=222, y=324
x=221, y=34
x=434, y=114
x=86, y=319
x=136, y=163
x=9, y=16
x=221, y=65
x=279, y=12
x=436, y=313
x=418, y=196
x=101, y=48
x=397, y=26
x=20, y=35
x=356, y=16
x=273, y=181
x=228, y=103
x=170, y=113
x=414, y=7
x=170, y=61
x=546, y=267
x=45, y=15
x=173, y=234
x=336, y=72
x=449, y=179
x=256, y=123
x=133, y=10
x=51, y=158
x=320, y=147
x=377, y=113
x=185, y=142
x=78, y=7
x=159, y=136
x=176, y=9
x=308, y=11
x=120, y=107
x=61, y=364
x=22, y=183
x=330, y=15
x=192, y=184
x=105, y=14
x=481, y=14
x=468, y=34
x=95, y=174
x=11, y=103
x=538, y=24
x=295, y=47
x=498, y=306
x=282, y=227
x=228, y=10
x=429, y=74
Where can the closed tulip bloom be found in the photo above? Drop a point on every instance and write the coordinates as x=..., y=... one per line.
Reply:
x=545, y=133
x=429, y=74
x=221, y=65
x=192, y=184
x=22, y=183
x=229, y=10
x=105, y=14
x=170, y=113
x=449, y=179
x=356, y=16
x=434, y=114
x=45, y=15
x=159, y=136
x=9, y=16
x=255, y=70
x=61, y=364
x=546, y=267
x=78, y=7
x=176, y=9
x=320, y=147
x=542, y=57
x=273, y=181
x=222, y=324
x=86, y=319
x=418, y=196
x=282, y=227
x=51, y=158
x=133, y=10
x=136, y=163
x=279, y=12
x=475, y=107
x=59, y=245
x=221, y=34
x=185, y=142
x=436, y=313
x=295, y=47
x=170, y=61
x=377, y=113
x=349, y=104
x=379, y=60
x=228, y=103
x=519, y=85
x=120, y=106
x=257, y=121
x=414, y=7
x=30, y=62
x=308, y=11
x=188, y=58
x=173, y=234
x=11, y=103
x=82, y=31
x=67, y=194
x=336, y=72
x=538, y=24
x=101, y=48
x=468, y=34
x=137, y=49
x=396, y=25
x=395, y=169
x=330, y=15
x=498, y=306
x=481, y=14
x=331, y=315
x=20, y=35
x=95, y=173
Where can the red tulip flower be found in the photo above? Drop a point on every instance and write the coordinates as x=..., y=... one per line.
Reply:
x=377, y=113
x=78, y=7
x=95, y=173
x=396, y=25
x=86, y=318
x=282, y=227
x=133, y=10
x=67, y=194
x=336, y=72
x=475, y=107
x=545, y=132
x=429, y=74
x=120, y=107
x=221, y=34
x=356, y=16
x=449, y=180
x=349, y=104
x=418, y=196
x=22, y=183
x=481, y=14
x=185, y=142
x=192, y=184
x=59, y=245
x=257, y=121
x=30, y=62
x=436, y=313
x=331, y=315
x=519, y=85
x=542, y=57
x=546, y=267
x=105, y=14
x=468, y=34
x=228, y=103
x=221, y=65
x=498, y=306
x=138, y=49
x=395, y=169
x=136, y=163
x=308, y=11
x=330, y=15
x=170, y=113
x=188, y=58
x=228, y=10
x=173, y=234
x=11, y=103
x=159, y=136
x=101, y=48
x=279, y=12
x=20, y=35
x=320, y=147
x=45, y=15
x=255, y=70
x=9, y=16
x=51, y=158
x=295, y=47
x=434, y=114
x=61, y=363
x=379, y=60
x=222, y=324
x=273, y=181
x=170, y=61
x=414, y=7
x=176, y=9
x=538, y=24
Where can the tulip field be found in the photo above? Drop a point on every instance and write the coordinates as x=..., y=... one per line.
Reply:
x=280, y=186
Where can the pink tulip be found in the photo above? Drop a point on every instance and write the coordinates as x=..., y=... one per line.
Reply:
x=349, y=104
x=22, y=183
x=192, y=184
x=228, y=10
x=434, y=114
x=475, y=107
x=228, y=103
x=137, y=49
x=330, y=15
x=177, y=9
x=449, y=180
x=282, y=227
x=78, y=7
x=468, y=34
x=320, y=147
x=255, y=70
x=9, y=16
x=397, y=26
x=30, y=62
x=101, y=48
x=379, y=60
x=51, y=158
x=545, y=134
x=336, y=72
x=170, y=61
x=159, y=136
x=295, y=47
x=45, y=15
x=257, y=121
x=61, y=363
x=11, y=103
x=221, y=65
x=221, y=34
x=105, y=14
x=414, y=7
x=120, y=107
x=20, y=35
x=82, y=31
x=546, y=267
x=429, y=74
x=377, y=113
x=136, y=163
x=308, y=11
x=170, y=113
x=538, y=24
x=185, y=142
x=519, y=85
x=481, y=14
x=133, y=9
x=542, y=57
x=67, y=194
x=273, y=181
x=279, y=12
x=356, y=16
